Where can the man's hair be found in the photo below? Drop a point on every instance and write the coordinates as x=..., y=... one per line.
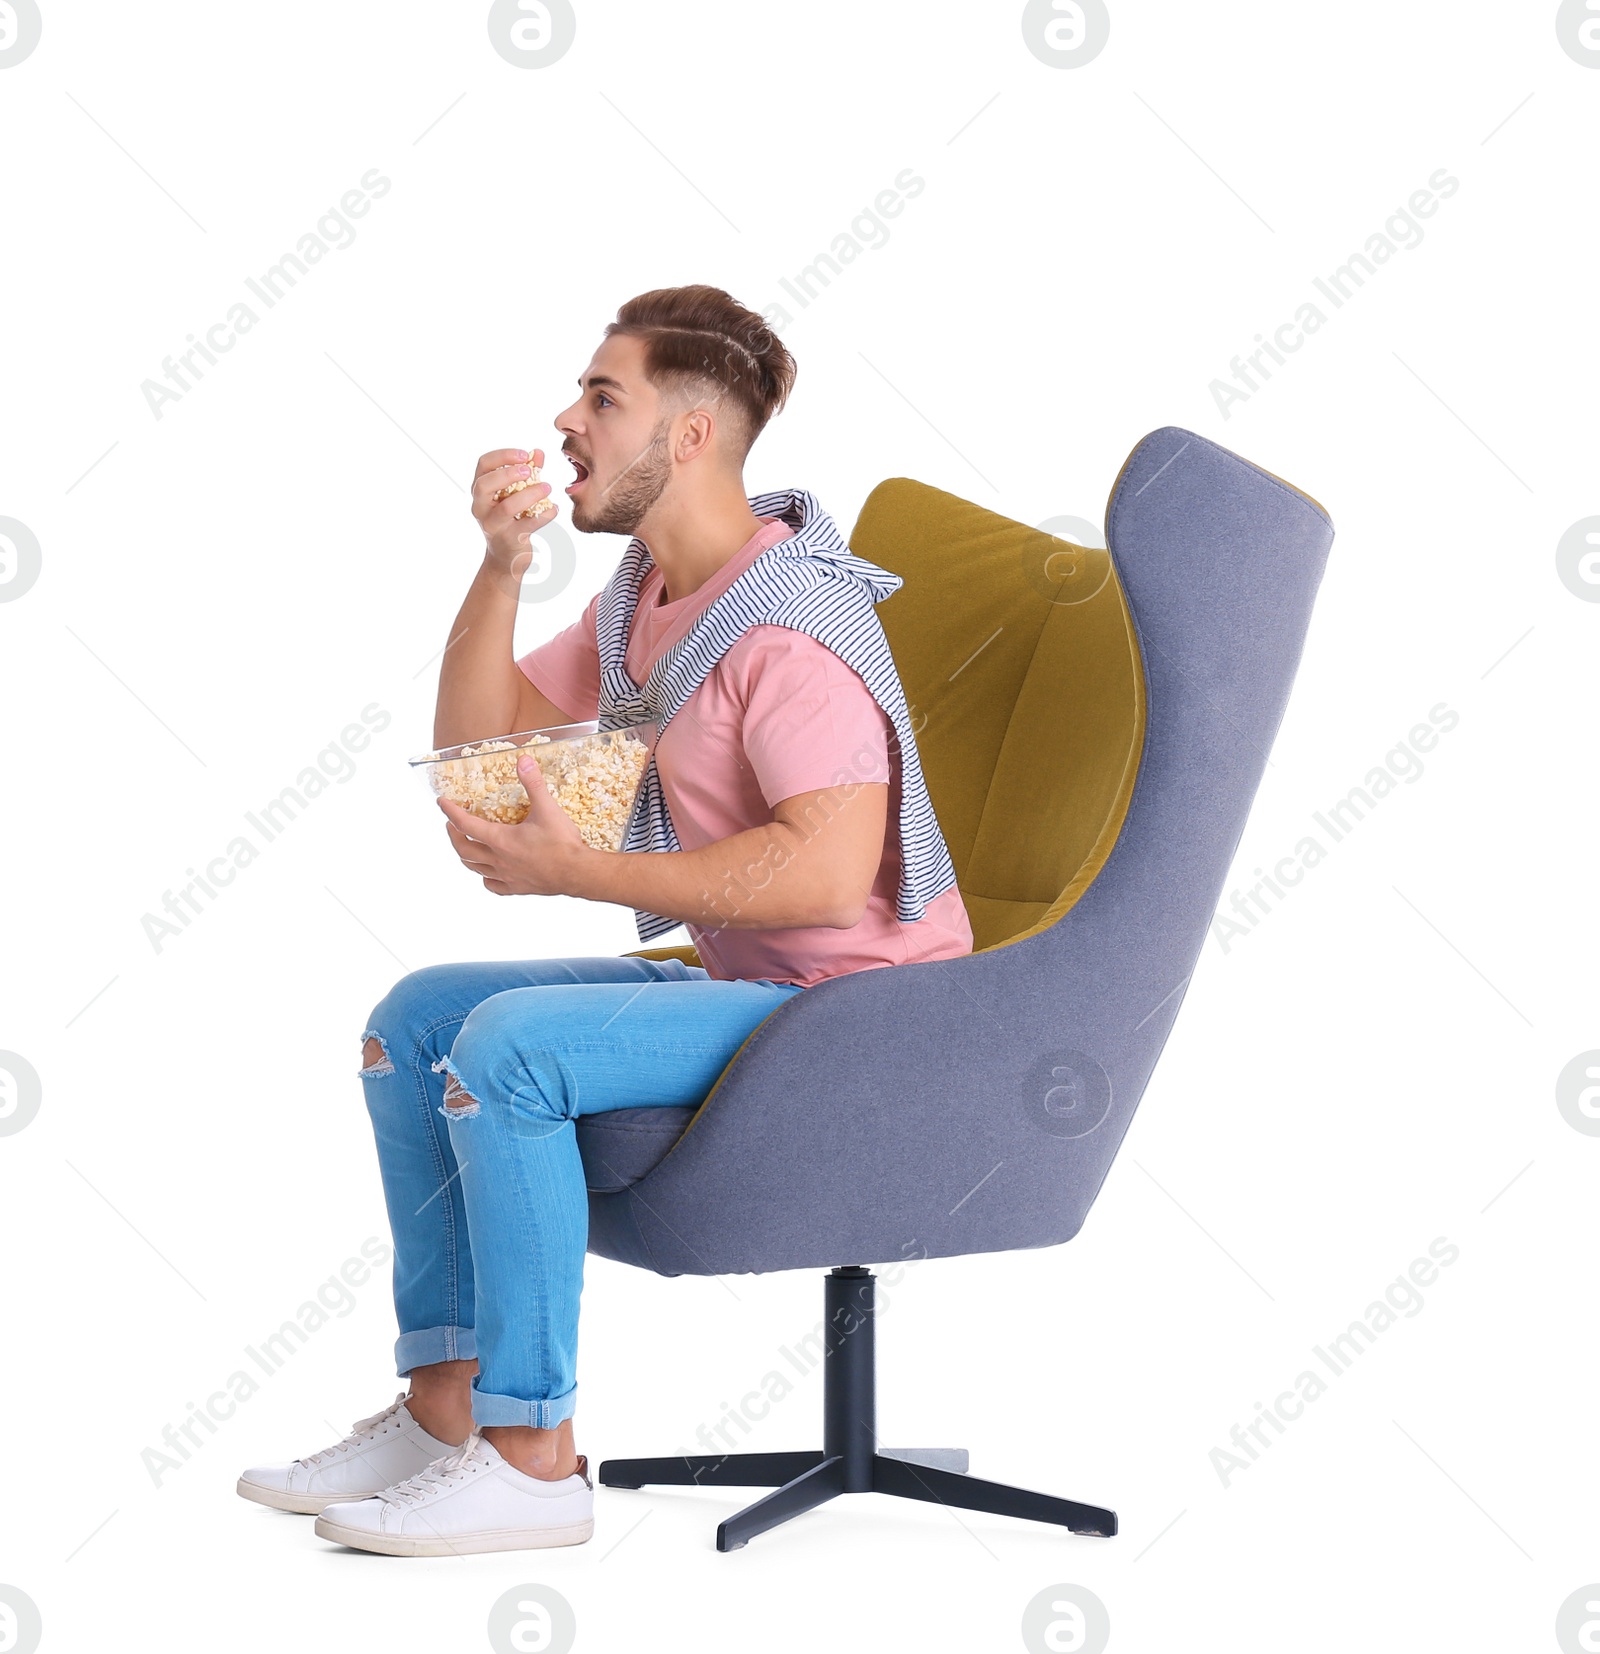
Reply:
x=701, y=343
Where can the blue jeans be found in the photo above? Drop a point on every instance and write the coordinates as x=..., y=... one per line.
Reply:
x=487, y=1201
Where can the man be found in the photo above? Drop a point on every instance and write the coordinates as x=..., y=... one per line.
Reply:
x=782, y=818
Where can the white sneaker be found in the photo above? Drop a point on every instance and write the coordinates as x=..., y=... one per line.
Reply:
x=471, y=1501
x=378, y=1452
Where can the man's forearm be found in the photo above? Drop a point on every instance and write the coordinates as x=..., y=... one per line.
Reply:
x=759, y=879
x=479, y=682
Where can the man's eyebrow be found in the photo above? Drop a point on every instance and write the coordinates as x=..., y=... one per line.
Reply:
x=603, y=379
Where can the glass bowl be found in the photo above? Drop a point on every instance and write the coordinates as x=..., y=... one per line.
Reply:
x=593, y=774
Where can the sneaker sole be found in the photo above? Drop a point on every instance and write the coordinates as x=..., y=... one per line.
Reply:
x=301, y=1504
x=420, y=1544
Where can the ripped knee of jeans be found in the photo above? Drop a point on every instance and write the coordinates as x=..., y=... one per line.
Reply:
x=459, y=1103
x=375, y=1060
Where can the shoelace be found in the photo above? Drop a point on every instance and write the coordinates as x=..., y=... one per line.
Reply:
x=361, y=1428
x=454, y=1467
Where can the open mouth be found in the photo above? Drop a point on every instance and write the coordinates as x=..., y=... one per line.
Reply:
x=582, y=477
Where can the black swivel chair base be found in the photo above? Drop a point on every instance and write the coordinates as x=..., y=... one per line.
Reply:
x=849, y=1461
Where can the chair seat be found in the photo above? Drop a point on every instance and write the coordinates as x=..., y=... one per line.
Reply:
x=622, y=1145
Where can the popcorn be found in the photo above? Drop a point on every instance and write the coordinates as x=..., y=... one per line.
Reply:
x=546, y=504
x=594, y=778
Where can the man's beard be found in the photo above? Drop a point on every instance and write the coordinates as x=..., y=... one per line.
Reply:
x=621, y=506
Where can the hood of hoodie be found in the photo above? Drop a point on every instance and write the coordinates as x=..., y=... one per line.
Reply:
x=816, y=536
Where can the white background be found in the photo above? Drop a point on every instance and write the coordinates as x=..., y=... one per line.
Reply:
x=224, y=588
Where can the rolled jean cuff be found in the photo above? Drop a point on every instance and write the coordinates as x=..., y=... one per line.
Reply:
x=432, y=1345
x=542, y=1415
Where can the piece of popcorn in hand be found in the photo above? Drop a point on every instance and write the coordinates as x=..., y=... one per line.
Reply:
x=546, y=504
x=521, y=483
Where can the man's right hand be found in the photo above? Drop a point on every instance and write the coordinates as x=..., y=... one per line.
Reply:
x=481, y=689
x=509, y=540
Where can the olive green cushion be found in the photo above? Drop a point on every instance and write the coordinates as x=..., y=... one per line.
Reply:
x=1030, y=744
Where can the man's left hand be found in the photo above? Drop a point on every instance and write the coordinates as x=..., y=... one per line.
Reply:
x=537, y=857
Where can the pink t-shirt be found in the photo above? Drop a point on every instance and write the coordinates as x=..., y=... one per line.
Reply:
x=779, y=714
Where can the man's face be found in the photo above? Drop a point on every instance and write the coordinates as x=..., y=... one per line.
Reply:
x=619, y=437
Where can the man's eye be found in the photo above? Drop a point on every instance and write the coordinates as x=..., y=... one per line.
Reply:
x=606, y=399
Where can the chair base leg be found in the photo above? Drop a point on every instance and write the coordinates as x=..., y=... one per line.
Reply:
x=709, y=1470
x=751, y=1469
x=910, y=1480
x=816, y=1486
x=850, y=1460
